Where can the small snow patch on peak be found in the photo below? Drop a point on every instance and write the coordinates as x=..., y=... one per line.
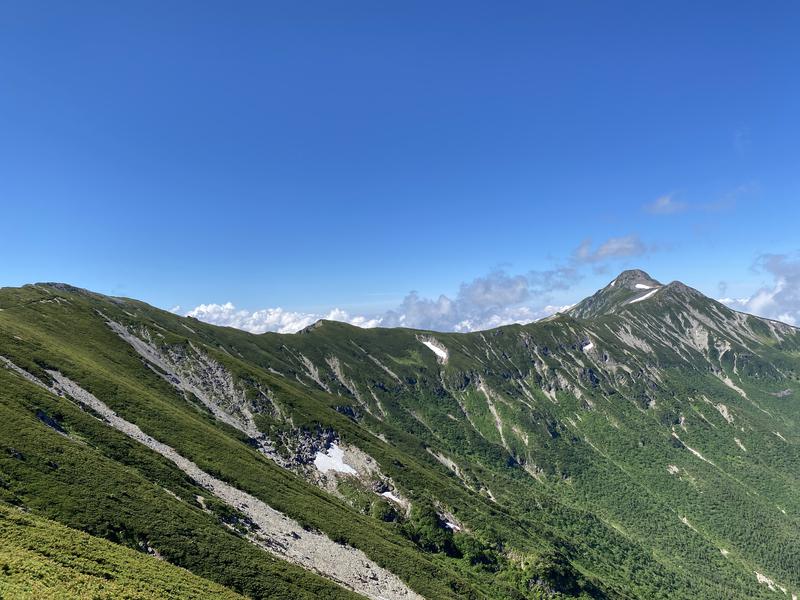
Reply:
x=641, y=286
x=645, y=296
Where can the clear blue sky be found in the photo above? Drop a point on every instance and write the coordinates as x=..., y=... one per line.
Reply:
x=313, y=155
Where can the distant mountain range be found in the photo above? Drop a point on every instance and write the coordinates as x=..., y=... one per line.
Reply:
x=643, y=444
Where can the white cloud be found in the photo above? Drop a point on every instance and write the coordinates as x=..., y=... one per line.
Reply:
x=617, y=247
x=779, y=299
x=271, y=319
x=492, y=300
x=496, y=289
x=668, y=205
x=486, y=302
x=665, y=205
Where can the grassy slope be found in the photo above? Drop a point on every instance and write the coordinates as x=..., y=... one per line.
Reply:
x=605, y=500
x=73, y=339
x=103, y=483
x=41, y=559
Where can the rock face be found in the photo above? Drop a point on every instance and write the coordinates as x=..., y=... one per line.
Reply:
x=193, y=371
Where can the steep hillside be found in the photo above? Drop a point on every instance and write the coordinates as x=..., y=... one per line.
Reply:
x=642, y=445
x=42, y=559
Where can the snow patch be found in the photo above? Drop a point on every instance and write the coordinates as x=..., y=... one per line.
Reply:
x=641, y=286
x=645, y=297
x=740, y=444
x=436, y=347
x=333, y=460
x=392, y=497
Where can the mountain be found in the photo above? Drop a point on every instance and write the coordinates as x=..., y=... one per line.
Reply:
x=629, y=287
x=643, y=444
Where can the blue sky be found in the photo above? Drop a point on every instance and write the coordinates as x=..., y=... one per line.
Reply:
x=323, y=155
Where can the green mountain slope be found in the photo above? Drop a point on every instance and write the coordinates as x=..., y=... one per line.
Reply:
x=642, y=445
x=42, y=559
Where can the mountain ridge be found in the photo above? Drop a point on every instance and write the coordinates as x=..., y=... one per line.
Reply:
x=526, y=461
x=628, y=279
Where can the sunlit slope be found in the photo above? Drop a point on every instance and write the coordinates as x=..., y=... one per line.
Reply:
x=42, y=559
x=642, y=445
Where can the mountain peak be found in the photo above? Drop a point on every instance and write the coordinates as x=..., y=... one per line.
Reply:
x=632, y=287
x=632, y=278
x=628, y=287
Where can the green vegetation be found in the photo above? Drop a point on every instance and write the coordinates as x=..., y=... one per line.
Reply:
x=644, y=450
x=41, y=559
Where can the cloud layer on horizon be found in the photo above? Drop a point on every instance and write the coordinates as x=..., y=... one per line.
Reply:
x=780, y=299
x=490, y=301
x=499, y=298
x=271, y=319
x=495, y=299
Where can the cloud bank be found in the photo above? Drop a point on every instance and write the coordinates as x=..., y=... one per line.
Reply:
x=495, y=299
x=271, y=319
x=491, y=301
x=500, y=298
x=780, y=299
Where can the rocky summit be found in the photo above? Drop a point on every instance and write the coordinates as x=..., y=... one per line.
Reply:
x=642, y=444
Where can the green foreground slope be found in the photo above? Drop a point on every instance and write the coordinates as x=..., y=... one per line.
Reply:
x=41, y=559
